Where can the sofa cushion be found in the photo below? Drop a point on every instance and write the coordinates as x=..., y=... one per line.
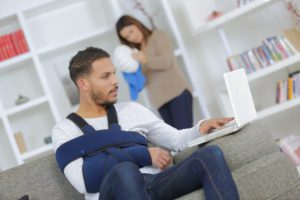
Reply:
x=40, y=179
x=267, y=178
x=252, y=142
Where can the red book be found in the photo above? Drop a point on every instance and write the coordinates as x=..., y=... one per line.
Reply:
x=10, y=47
x=3, y=48
x=23, y=41
x=1, y=53
x=16, y=45
x=19, y=41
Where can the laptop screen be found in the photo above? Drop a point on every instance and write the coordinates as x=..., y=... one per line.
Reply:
x=240, y=96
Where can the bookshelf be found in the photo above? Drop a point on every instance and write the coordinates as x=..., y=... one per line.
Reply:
x=32, y=74
x=234, y=37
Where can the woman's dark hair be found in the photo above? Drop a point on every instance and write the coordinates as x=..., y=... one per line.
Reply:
x=127, y=20
x=81, y=63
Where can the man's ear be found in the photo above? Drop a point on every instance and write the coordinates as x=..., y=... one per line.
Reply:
x=82, y=84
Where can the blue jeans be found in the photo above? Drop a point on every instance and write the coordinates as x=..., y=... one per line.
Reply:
x=179, y=111
x=206, y=168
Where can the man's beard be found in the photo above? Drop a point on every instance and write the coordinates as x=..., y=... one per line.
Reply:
x=96, y=97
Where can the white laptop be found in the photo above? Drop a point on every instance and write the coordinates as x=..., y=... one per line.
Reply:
x=242, y=105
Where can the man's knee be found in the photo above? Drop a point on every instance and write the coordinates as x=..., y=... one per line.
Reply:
x=213, y=151
x=124, y=168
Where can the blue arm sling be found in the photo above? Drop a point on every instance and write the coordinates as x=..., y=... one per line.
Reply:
x=102, y=149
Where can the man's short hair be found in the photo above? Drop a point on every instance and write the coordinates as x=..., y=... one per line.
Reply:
x=81, y=63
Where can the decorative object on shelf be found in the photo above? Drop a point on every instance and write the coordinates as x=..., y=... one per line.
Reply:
x=198, y=11
x=293, y=7
x=215, y=14
x=21, y=99
x=20, y=142
x=48, y=140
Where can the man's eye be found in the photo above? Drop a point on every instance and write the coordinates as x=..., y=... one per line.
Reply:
x=105, y=76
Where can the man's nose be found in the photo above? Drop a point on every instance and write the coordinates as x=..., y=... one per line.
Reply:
x=114, y=80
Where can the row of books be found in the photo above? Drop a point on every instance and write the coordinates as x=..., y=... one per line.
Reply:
x=243, y=2
x=271, y=51
x=12, y=44
x=288, y=89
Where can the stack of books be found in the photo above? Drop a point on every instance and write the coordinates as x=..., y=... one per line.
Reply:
x=12, y=44
x=288, y=89
x=271, y=51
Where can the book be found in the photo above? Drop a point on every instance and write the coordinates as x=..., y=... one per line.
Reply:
x=20, y=142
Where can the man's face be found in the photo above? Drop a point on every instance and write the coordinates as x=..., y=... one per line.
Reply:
x=103, y=83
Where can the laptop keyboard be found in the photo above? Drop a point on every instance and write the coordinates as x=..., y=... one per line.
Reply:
x=231, y=123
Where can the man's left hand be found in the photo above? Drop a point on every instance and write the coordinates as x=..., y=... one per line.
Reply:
x=210, y=124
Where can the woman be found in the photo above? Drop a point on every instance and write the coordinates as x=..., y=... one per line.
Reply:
x=168, y=91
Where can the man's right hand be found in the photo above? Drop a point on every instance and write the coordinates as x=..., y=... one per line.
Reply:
x=160, y=157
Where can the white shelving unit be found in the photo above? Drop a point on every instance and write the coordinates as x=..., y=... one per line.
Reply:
x=274, y=68
x=227, y=17
x=54, y=31
x=262, y=82
x=198, y=94
x=279, y=108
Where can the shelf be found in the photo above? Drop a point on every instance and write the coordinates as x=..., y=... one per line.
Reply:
x=235, y=14
x=47, y=6
x=73, y=41
x=274, y=68
x=37, y=151
x=278, y=108
x=25, y=106
x=15, y=60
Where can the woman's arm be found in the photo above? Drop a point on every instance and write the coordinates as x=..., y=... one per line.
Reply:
x=163, y=57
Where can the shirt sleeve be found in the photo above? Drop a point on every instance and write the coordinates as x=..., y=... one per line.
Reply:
x=62, y=133
x=163, y=57
x=162, y=134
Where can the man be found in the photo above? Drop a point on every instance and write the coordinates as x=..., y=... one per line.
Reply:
x=95, y=76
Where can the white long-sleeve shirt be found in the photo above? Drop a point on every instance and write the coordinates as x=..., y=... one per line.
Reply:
x=132, y=117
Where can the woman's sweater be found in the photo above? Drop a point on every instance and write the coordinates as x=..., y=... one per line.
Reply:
x=165, y=80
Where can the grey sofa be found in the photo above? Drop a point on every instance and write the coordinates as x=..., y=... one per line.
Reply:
x=259, y=169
